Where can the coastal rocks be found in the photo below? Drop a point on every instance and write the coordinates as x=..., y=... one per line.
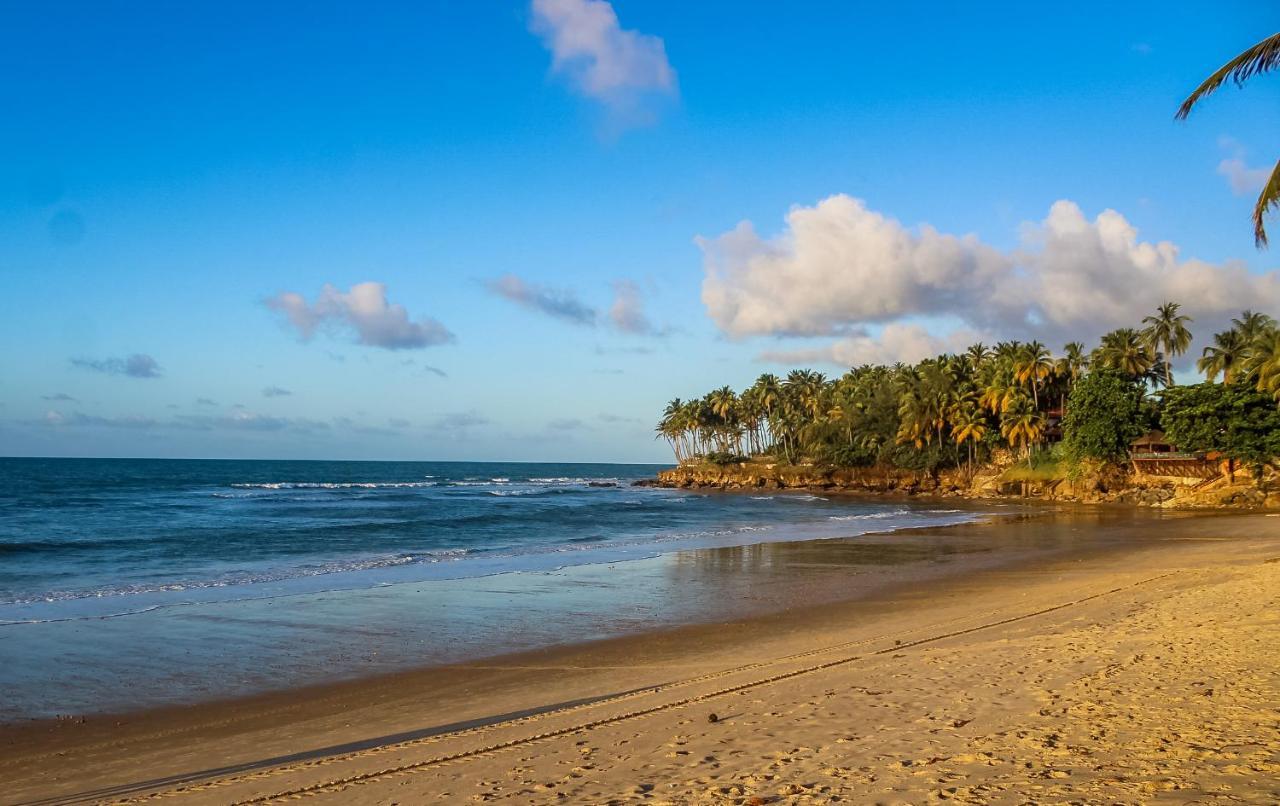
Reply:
x=1097, y=484
x=769, y=476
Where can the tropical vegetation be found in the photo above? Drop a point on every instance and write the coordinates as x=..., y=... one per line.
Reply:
x=1261, y=58
x=957, y=410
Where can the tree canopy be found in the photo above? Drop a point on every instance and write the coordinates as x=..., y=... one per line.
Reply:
x=1105, y=413
x=956, y=409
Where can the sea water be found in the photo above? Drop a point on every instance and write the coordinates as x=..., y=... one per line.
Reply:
x=137, y=582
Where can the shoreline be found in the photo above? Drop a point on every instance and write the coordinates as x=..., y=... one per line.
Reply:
x=316, y=720
x=339, y=632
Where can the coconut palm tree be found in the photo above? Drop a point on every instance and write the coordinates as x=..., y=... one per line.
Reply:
x=1261, y=58
x=1167, y=331
x=1264, y=363
x=1070, y=367
x=1252, y=325
x=1223, y=357
x=671, y=428
x=768, y=392
x=1032, y=366
x=968, y=425
x=1022, y=424
x=978, y=355
x=999, y=393
x=723, y=404
x=1126, y=351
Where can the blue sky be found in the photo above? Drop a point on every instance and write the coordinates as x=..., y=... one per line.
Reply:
x=551, y=190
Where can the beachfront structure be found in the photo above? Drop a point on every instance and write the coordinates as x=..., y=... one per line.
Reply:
x=1153, y=455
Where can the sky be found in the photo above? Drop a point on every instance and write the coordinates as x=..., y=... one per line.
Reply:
x=514, y=230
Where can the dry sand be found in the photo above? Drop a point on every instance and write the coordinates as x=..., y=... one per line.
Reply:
x=1150, y=675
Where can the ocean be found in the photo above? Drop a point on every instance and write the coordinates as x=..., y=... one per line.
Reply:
x=155, y=575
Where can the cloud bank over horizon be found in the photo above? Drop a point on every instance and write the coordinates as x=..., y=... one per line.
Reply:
x=839, y=269
x=363, y=310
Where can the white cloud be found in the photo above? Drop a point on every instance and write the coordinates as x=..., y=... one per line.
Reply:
x=627, y=312
x=839, y=267
x=365, y=310
x=1242, y=179
x=897, y=341
x=606, y=62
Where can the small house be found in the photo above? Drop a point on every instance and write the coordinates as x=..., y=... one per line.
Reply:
x=1153, y=455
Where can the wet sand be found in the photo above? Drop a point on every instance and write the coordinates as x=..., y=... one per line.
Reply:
x=1138, y=663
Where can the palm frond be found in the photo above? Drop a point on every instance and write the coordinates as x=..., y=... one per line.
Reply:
x=1270, y=197
x=1260, y=58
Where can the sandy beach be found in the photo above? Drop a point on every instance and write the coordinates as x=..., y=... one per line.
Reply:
x=1146, y=672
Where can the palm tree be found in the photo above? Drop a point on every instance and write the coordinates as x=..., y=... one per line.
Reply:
x=670, y=427
x=999, y=393
x=978, y=354
x=1260, y=58
x=968, y=425
x=724, y=405
x=1126, y=351
x=1167, y=330
x=1032, y=366
x=1223, y=356
x=768, y=393
x=1071, y=366
x=1264, y=362
x=1253, y=325
x=1022, y=424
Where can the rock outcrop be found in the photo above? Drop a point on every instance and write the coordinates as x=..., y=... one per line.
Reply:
x=1103, y=484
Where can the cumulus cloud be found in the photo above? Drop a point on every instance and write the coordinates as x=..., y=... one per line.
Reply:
x=276, y=391
x=59, y=397
x=365, y=311
x=566, y=424
x=138, y=365
x=839, y=267
x=897, y=341
x=618, y=67
x=559, y=303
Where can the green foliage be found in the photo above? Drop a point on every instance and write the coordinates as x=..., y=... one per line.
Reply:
x=1233, y=418
x=958, y=410
x=1105, y=412
x=924, y=459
